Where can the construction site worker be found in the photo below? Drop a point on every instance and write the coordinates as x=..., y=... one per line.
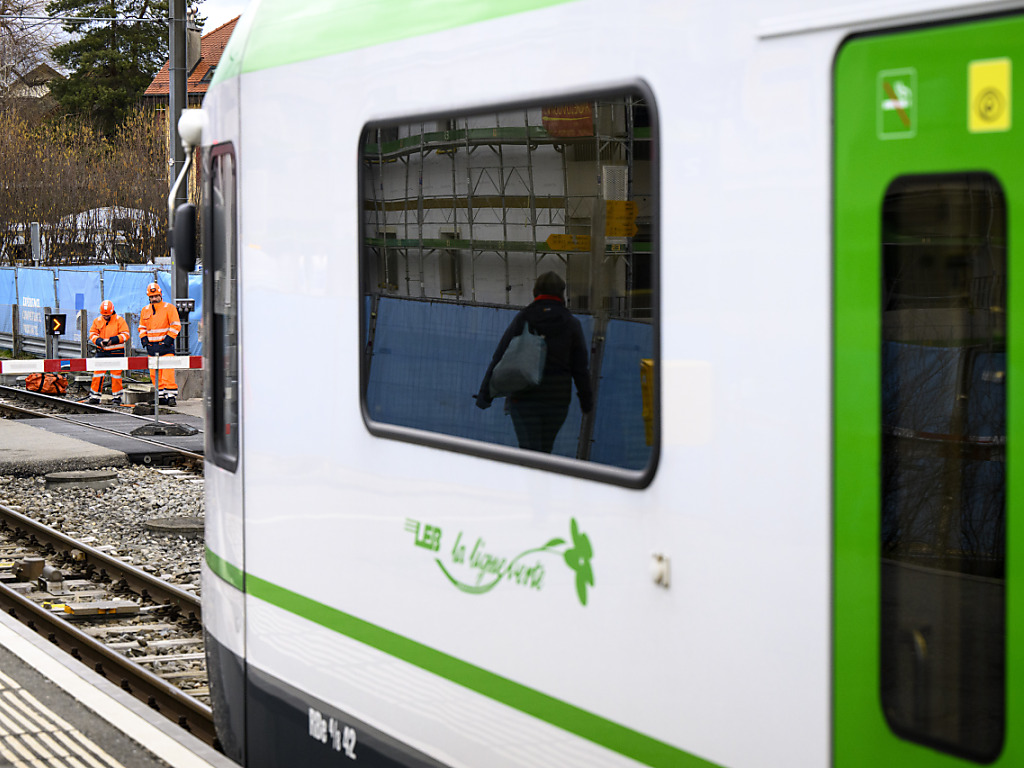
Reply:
x=108, y=334
x=159, y=326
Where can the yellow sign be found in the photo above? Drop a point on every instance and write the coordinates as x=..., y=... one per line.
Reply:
x=619, y=218
x=569, y=242
x=989, y=96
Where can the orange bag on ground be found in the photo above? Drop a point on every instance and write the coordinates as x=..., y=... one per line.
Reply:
x=47, y=383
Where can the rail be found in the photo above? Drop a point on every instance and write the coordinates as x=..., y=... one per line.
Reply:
x=159, y=694
x=136, y=579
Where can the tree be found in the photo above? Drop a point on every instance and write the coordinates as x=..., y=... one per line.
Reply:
x=96, y=198
x=136, y=173
x=25, y=43
x=111, y=63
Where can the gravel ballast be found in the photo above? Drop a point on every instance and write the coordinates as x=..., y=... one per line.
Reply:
x=114, y=519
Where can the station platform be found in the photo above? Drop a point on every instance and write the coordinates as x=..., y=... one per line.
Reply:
x=39, y=446
x=56, y=711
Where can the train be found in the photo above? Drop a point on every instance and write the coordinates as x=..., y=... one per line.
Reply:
x=777, y=533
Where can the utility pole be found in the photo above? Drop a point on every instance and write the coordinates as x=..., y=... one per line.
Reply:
x=178, y=98
x=178, y=95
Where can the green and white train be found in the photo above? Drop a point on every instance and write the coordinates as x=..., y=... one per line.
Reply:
x=783, y=536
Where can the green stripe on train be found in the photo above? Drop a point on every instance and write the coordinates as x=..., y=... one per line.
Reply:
x=231, y=574
x=587, y=725
x=273, y=33
x=560, y=714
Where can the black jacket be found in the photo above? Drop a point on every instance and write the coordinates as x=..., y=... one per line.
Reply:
x=567, y=358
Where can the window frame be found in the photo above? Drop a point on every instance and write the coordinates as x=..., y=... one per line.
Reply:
x=216, y=452
x=579, y=468
x=891, y=583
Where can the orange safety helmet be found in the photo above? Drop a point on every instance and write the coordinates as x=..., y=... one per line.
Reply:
x=107, y=308
x=153, y=290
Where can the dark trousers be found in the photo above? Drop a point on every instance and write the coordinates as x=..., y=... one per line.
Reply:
x=537, y=422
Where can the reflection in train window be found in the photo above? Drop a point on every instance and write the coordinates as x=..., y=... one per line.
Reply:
x=943, y=527
x=465, y=218
x=221, y=286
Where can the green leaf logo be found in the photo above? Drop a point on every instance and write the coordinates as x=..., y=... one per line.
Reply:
x=578, y=558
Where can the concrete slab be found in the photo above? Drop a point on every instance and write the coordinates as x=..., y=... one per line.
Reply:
x=26, y=450
x=194, y=406
x=97, y=479
x=125, y=423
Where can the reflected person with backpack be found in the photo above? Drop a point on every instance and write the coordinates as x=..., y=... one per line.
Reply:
x=539, y=411
x=108, y=335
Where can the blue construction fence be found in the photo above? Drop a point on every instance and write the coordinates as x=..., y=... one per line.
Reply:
x=429, y=359
x=71, y=289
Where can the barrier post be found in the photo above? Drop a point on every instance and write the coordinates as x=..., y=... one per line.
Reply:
x=83, y=331
x=170, y=429
x=51, y=341
x=129, y=318
x=156, y=391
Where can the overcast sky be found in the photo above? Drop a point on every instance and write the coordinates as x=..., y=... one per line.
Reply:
x=220, y=12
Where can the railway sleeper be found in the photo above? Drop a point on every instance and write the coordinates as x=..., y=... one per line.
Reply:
x=176, y=642
x=101, y=608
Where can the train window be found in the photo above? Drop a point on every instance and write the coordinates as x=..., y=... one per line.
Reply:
x=943, y=526
x=476, y=225
x=221, y=284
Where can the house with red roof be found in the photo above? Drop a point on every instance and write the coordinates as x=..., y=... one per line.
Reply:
x=202, y=55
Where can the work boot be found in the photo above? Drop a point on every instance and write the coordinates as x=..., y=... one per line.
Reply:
x=171, y=402
x=93, y=400
x=116, y=400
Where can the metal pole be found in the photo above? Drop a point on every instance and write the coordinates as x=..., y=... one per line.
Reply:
x=16, y=331
x=50, y=341
x=37, y=246
x=83, y=331
x=178, y=102
x=156, y=391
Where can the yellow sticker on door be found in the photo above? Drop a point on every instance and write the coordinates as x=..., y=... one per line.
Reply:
x=989, y=96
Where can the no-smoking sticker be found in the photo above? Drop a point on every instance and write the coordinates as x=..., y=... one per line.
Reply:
x=896, y=103
x=989, y=96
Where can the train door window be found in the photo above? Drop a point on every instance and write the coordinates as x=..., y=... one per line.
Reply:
x=221, y=284
x=943, y=526
x=471, y=222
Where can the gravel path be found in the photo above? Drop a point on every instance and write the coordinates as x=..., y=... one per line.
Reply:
x=114, y=518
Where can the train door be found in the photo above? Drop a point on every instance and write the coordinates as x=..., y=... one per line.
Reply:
x=225, y=551
x=929, y=182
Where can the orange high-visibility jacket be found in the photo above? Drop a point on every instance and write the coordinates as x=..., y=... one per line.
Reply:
x=158, y=321
x=101, y=329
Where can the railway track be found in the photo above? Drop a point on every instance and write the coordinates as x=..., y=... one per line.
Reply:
x=142, y=633
x=67, y=404
x=19, y=403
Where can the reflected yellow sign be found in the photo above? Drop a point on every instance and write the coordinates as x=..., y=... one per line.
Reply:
x=619, y=218
x=989, y=102
x=568, y=242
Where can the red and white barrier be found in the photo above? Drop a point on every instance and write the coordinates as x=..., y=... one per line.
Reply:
x=77, y=364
